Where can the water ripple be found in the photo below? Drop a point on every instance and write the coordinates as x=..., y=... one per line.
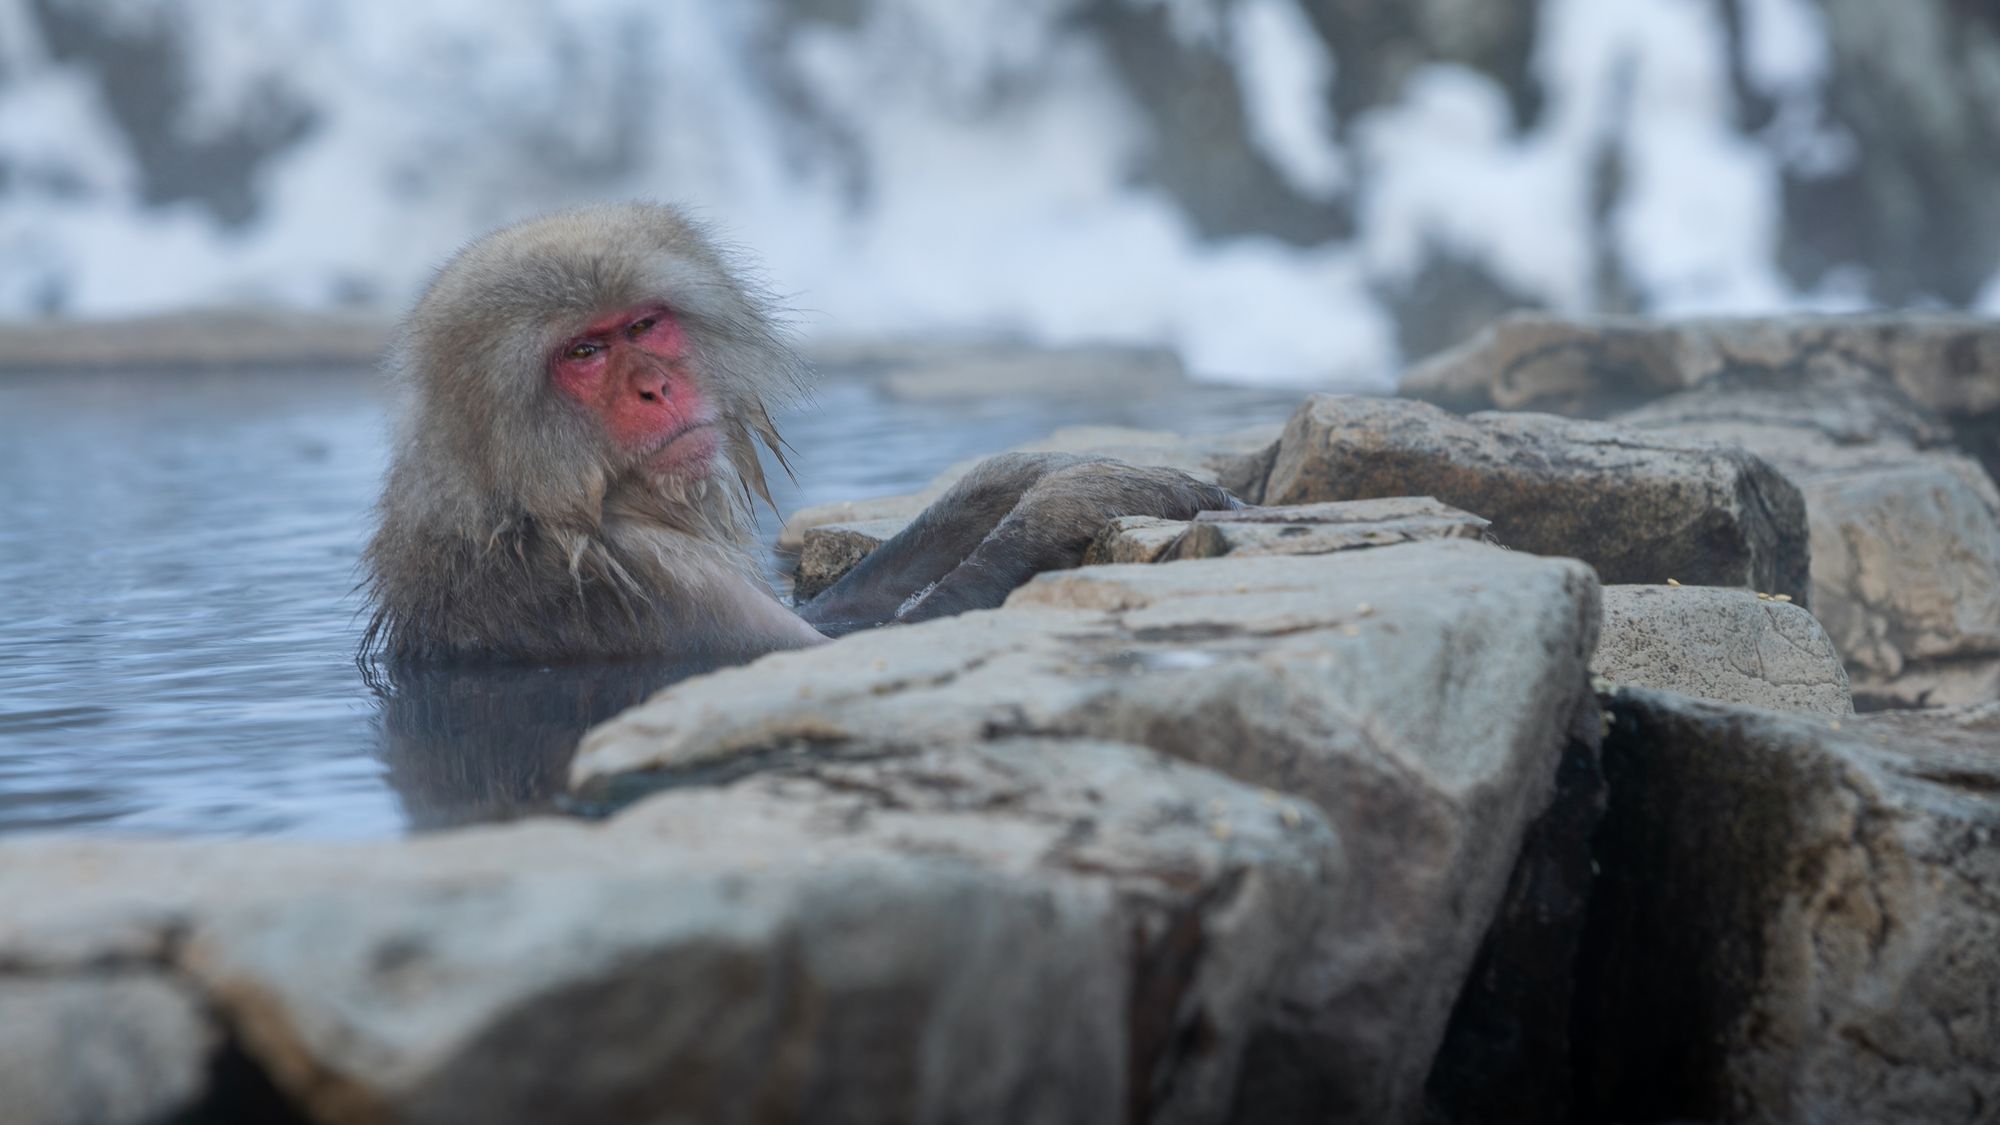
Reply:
x=177, y=609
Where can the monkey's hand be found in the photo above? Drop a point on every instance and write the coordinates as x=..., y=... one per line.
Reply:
x=1012, y=517
x=1053, y=524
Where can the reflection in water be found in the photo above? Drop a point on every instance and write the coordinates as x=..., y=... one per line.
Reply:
x=471, y=743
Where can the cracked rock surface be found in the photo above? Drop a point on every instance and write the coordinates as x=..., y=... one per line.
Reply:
x=1018, y=930
x=1727, y=645
x=1798, y=917
x=1418, y=696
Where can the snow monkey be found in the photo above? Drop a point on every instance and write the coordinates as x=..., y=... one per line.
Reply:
x=576, y=460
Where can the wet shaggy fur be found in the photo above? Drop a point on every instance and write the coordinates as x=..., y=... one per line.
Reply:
x=511, y=528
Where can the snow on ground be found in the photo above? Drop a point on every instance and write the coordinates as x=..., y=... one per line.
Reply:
x=970, y=173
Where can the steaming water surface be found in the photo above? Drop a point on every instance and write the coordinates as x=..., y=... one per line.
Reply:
x=178, y=618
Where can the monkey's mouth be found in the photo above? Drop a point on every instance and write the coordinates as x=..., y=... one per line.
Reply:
x=687, y=451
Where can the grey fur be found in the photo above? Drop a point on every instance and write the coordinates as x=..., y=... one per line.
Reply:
x=510, y=527
x=1012, y=517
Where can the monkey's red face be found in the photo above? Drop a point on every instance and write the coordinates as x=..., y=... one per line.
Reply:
x=631, y=371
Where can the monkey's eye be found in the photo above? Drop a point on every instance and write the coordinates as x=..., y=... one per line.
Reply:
x=582, y=351
x=641, y=327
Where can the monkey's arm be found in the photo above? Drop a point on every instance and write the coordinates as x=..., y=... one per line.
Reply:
x=940, y=538
x=1011, y=518
x=1054, y=524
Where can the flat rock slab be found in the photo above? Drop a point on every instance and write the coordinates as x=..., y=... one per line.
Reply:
x=1727, y=645
x=1236, y=460
x=1296, y=529
x=1420, y=696
x=1797, y=919
x=115, y=1047
x=1596, y=366
x=1639, y=507
x=1019, y=930
x=1318, y=529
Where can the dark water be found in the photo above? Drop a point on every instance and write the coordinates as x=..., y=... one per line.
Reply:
x=178, y=617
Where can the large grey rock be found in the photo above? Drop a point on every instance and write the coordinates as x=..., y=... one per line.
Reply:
x=1019, y=930
x=1639, y=507
x=1727, y=645
x=115, y=1048
x=1906, y=574
x=1905, y=533
x=1237, y=460
x=1796, y=920
x=1419, y=695
x=1594, y=366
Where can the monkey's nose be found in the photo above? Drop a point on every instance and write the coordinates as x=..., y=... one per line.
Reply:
x=651, y=386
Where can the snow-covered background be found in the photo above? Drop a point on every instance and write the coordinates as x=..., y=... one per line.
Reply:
x=1281, y=189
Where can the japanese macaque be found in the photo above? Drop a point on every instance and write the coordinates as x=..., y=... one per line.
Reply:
x=577, y=457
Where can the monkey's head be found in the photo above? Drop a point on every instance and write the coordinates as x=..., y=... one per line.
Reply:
x=608, y=353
